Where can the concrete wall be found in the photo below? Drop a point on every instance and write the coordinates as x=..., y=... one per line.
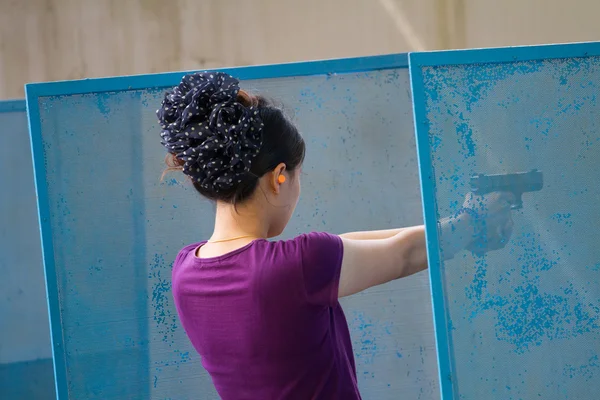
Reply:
x=67, y=39
x=491, y=23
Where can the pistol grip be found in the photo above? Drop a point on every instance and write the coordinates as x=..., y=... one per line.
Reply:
x=518, y=203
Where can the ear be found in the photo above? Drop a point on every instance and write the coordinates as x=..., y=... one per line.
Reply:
x=274, y=180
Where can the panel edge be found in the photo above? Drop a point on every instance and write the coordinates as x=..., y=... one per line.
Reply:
x=168, y=79
x=443, y=344
x=43, y=206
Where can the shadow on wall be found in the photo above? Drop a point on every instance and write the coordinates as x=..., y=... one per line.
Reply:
x=27, y=380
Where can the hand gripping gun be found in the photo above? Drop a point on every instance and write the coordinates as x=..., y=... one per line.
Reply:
x=517, y=183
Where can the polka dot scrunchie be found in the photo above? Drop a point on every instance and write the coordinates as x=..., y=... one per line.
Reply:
x=204, y=125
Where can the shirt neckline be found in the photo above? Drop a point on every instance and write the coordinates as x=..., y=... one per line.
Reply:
x=223, y=256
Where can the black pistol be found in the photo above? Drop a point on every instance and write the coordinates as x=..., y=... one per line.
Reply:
x=517, y=183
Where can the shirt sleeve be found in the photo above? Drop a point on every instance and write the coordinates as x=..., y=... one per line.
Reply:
x=322, y=255
x=183, y=253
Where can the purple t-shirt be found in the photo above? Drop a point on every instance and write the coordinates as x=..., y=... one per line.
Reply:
x=266, y=319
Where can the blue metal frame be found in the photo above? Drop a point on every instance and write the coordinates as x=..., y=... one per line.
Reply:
x=39, y=172
x=436, y=281
x=12, y=106
x=152, y=81
x=445, y=350
x=323, y=67
x=504, y=54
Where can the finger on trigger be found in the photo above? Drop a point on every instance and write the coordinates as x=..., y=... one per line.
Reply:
x=509, y=223
x=507, y=228
x=507, y=196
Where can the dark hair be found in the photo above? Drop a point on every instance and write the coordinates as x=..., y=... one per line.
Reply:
x=280, y=143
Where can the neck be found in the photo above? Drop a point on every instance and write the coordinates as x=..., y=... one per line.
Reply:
x=247, y=221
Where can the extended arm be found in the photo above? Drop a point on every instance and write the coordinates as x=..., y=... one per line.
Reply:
x=372, y=235
x=368, y=263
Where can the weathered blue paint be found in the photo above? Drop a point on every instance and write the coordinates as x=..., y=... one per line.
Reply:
x=522, y=322
x=356, y=118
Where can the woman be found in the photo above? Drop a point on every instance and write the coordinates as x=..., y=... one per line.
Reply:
x=264, y=315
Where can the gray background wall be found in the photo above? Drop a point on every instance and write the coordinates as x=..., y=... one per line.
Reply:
x=69, y=39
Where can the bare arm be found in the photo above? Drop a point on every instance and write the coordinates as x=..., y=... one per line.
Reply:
x=372, y=235
x=368, y=263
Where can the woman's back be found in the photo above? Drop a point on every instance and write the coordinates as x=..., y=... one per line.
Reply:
x=265, y=317
x=266, y=320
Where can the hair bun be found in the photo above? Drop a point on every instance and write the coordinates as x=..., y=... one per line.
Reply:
x=205, y=126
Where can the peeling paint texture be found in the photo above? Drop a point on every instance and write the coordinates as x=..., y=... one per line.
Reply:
x=117, y=229
x=524, y=321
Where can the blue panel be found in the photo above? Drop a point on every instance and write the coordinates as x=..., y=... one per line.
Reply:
x=24, y=333
x=522, y=322
x=111, y=228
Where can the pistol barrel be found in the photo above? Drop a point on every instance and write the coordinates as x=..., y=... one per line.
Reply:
x=517, y=183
